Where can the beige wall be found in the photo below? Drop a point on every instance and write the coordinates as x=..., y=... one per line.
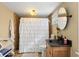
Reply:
x=5, y=16
x=71, y=30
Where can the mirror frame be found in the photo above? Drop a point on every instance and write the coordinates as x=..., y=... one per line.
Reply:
x=62, y=18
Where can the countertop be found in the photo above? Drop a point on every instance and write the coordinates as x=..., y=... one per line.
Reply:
x=59, y=43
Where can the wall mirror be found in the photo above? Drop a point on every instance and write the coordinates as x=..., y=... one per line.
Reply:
x=62, y=18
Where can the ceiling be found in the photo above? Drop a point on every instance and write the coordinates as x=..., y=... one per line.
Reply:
x=23, y=8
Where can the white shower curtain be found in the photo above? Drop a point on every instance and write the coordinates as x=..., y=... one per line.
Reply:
x=33, y=33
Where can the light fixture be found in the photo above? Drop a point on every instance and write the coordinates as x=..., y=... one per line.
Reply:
x=33, y=13
x=62, y=12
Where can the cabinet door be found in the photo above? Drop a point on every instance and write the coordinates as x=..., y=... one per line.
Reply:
x=61, y=51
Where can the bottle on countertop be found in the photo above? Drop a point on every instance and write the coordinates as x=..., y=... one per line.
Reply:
x=61, y=37
x=52, y=36
x=65, y=40
x=55, y=37
x=58, y=37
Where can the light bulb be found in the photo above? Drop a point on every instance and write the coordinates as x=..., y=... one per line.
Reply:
x=33, y=13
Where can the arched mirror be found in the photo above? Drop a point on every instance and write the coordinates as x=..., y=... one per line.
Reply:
x=62, y=18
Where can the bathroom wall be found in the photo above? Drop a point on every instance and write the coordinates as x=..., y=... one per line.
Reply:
x=71, y=30
x=5, y=16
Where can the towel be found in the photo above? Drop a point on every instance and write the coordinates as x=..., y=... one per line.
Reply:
x=1, y=55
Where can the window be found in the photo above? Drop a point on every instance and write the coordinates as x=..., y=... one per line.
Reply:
x=33, y=33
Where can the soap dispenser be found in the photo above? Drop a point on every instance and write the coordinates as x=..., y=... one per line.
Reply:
x=65, y=40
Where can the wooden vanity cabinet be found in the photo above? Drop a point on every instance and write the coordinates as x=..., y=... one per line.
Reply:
x=49, y=52
x=58, y=51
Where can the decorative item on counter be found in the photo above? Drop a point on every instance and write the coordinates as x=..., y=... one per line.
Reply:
x=65, y=40
x=58, y=37
x=62, y=37
x=55, y=37
x=52, y=36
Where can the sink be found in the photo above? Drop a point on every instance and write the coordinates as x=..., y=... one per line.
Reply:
x=55, y=42
x=59, y=43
